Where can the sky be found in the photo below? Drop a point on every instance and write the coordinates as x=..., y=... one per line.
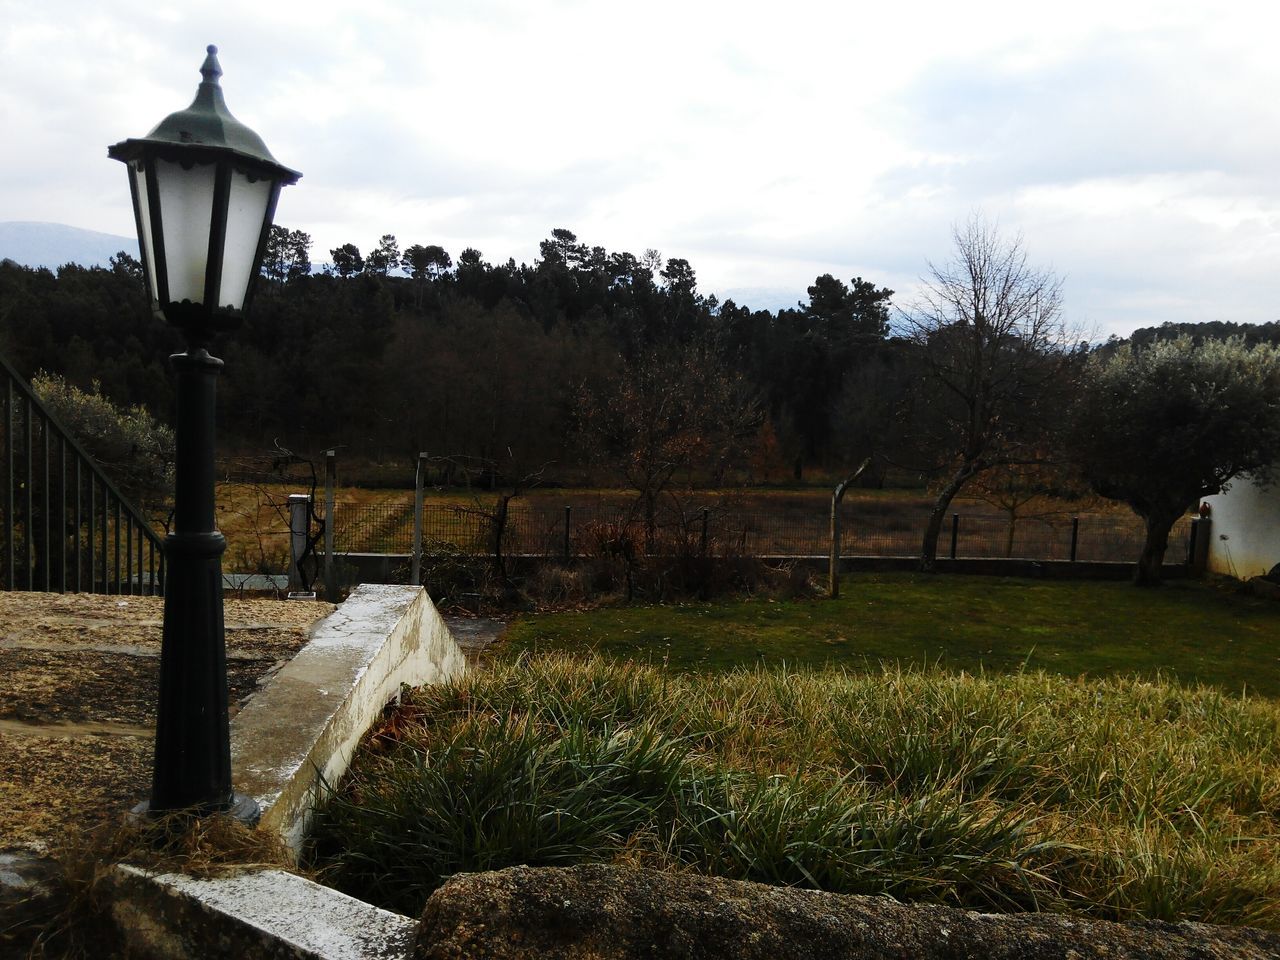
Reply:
x=1134, y=147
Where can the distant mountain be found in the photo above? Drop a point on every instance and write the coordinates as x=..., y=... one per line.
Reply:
x=772, y=299
x=53, y=244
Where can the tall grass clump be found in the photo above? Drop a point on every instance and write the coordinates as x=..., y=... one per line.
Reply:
x=1117, y=798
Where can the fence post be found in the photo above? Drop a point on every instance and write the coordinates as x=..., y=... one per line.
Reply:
x=1075, y=537
x=415, y=567
x=705, y=513
x=955, y=533
x=568, y=513
x=330, y=481
x=299, y=504
x=833, y=562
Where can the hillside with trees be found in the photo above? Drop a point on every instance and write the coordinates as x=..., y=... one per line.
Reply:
x=394, y=350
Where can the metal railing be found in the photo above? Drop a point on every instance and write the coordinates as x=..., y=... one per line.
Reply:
x=867, y=531
x=64, y=527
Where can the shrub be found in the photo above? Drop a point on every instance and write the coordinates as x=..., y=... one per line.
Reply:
x=134, y=448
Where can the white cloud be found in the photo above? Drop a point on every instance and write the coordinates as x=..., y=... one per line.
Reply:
x=1132, y=144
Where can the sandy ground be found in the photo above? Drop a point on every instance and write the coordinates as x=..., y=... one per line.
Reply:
x=78, y=684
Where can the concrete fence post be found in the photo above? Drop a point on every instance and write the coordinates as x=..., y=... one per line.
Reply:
x=299, y=517
x=419, y=477
x=833, y=566
x=330, y=568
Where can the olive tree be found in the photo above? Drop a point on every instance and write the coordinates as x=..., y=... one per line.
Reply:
x=1161, y=426
x=134, y=449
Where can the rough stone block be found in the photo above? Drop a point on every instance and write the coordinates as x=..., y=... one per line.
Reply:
x=615, y=913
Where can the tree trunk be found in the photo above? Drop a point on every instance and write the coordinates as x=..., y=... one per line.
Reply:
x=1148, y=571
x=929, y=548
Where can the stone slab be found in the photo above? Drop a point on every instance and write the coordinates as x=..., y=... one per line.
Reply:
x=263, y=914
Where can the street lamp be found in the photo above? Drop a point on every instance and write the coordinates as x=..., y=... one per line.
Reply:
x=204, y=192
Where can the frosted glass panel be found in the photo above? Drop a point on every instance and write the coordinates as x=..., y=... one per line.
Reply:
x=245, y=213
x=139, y=178
x=186, y=202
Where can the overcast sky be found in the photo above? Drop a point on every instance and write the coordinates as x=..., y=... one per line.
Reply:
x=1135, y=146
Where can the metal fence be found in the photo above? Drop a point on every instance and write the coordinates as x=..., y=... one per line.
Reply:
x=63, y=525
x=867, y=530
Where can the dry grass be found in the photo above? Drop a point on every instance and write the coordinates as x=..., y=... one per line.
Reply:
x=75, y=923
x=254, y=518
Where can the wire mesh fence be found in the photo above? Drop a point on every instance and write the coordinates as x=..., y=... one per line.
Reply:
x=866, y=530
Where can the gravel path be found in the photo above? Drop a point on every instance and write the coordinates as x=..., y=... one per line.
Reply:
x=78, y=686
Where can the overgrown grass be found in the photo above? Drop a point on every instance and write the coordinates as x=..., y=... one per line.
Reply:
x=1188, y=630
x=1119, y=798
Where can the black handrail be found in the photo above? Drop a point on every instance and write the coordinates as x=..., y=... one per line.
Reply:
x=70, y=537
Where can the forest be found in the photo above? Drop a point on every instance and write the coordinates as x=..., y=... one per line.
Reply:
x=523, y=366
x=584, y=367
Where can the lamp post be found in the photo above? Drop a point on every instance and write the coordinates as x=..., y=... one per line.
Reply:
x=204, y=192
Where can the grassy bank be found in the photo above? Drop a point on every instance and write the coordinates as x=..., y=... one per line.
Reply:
x=1117, y=798
x=1187, y=630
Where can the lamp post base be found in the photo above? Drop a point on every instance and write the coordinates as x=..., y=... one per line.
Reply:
x=242, y=807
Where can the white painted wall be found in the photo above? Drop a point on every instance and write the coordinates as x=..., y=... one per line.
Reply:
x=1244, y=537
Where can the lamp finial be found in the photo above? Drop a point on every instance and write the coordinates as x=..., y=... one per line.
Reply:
x=210, y=69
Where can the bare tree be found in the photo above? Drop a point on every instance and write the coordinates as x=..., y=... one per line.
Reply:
x=673, y=410
x=1021, y=491
x=995, y=355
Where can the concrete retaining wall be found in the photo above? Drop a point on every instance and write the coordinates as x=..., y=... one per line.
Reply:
x=303, y=728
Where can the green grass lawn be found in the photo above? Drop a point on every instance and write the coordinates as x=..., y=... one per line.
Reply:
x=1192, y=631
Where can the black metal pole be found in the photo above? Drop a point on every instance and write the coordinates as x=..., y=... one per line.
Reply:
x=955, y=533
x=1075, y=537
x=192, y=769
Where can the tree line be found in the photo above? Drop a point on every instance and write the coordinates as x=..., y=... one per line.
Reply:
x=592, y=366
x=389, y=352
